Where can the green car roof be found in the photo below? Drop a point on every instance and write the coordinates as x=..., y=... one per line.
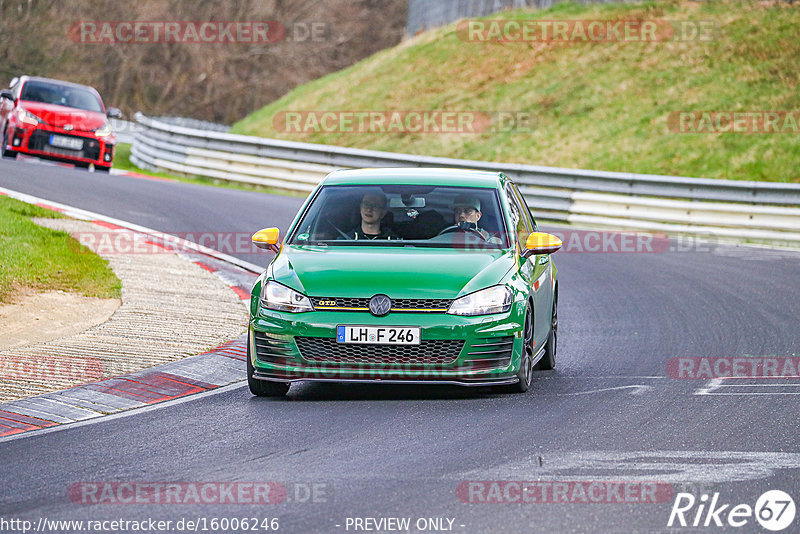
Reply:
x=416, y=176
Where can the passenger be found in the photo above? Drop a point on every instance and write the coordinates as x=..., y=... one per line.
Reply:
x=373, y=210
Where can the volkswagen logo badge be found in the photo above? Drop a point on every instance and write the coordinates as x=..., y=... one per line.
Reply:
x=379, y=305
x=68, y=127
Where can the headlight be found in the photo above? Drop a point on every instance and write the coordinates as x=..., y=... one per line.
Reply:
x=103, y=130
x=278, y=297
x=25, y=116
x=495, y=299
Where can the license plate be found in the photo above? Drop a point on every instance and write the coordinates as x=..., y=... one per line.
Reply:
x=378, y=335
x=66, y=142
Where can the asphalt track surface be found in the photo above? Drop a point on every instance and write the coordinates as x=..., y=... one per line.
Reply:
x=609, y=412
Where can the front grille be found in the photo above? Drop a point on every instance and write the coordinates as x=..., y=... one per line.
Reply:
x=273, y=349
x=428, y=352
x=340, y=302
x=487, y=353
x=416, y=304
x=40, y=140
x=362, y=304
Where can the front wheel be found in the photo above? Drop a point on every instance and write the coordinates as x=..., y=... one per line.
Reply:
x=263, y=388
x=525, y=373
x=4, y=152
x=548, y=361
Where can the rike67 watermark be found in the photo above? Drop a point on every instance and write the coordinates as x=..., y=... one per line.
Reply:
x=774, y=510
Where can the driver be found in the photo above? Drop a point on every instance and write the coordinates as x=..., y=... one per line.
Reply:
x=372, y=209
x=467, y=213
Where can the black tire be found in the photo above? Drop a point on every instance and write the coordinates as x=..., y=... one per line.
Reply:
x=100, y=168
x=10, y=154
x=263, y=388
x=548, y=361
x=525, y=372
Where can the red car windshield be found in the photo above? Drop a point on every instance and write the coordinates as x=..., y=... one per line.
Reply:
x=61, y=95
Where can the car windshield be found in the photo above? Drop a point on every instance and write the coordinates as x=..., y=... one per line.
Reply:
x=61, y=95
x=403, y=215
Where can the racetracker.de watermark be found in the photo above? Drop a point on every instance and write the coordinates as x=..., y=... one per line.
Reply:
x=573, y=241
x=48, y=368
x=130, y=242
x=599, y=242
x=204, y=493
x=585, y=31
x=563, y=492
x=403, y=122
x=193, y=523
x=742, y=122
x=708, y=368
x=195, y=32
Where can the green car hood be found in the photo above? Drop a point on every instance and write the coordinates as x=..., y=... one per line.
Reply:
x=398, y=272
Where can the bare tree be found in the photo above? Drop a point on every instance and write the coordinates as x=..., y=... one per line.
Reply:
x=220, y=82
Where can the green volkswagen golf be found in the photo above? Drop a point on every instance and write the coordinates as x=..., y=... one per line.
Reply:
x=414, y=276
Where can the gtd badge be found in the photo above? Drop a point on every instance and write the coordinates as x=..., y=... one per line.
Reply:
x=379, y=305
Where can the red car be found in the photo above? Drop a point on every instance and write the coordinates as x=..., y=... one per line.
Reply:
x=56, y=120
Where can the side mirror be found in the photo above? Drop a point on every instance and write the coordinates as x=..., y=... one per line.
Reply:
x=114, y=113
x=267, y=239
x=7, y=94
x=541, y=243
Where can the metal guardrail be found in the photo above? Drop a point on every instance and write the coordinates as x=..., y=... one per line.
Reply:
x=733, y=209
x=124, y=130
x=425, y=15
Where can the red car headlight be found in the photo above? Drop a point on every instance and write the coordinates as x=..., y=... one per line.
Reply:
x=26, y=117
x=104, y=130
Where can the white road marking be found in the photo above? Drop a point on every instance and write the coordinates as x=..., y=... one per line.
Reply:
x=603, y=377
x=673, y=467
x=722, y=387
x=710, y=387
x=638, y=389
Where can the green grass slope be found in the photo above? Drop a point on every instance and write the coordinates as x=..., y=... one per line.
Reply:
x=33, y=257
x=597, y=105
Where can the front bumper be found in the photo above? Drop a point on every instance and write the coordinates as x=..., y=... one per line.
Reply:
x=465, y=351
x=35, y=141
x=469, y=382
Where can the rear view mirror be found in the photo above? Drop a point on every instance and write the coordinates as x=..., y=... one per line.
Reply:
x=114, y=113
x=267, y=239
x=541, y=243
x=407, y=202
x=7, y=94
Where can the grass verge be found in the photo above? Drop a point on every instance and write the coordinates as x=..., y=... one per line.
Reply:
x=36, y=258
